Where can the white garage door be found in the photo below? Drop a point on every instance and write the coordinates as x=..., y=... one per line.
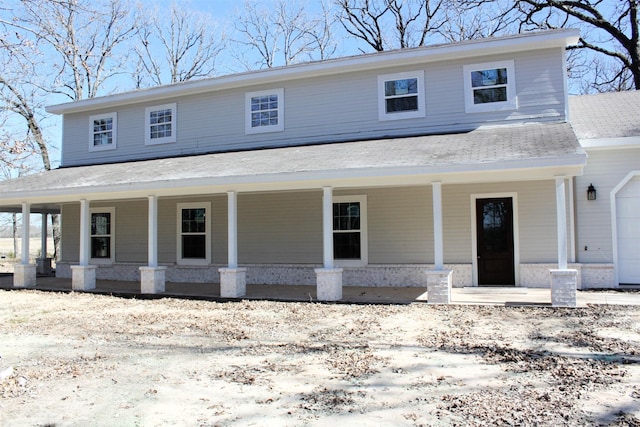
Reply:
x=628, y=225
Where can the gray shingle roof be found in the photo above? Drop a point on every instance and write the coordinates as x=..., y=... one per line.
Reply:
x=606, y=115
x=484, y=148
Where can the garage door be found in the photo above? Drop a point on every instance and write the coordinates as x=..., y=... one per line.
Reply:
x=628, y=225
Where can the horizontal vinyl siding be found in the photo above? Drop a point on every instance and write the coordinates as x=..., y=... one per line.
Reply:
x=70, y=228
x=280, y=228
x=325, y=109
x=605, y=169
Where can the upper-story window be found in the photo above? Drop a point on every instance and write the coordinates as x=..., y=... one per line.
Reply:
x=401, y=96
x=160, y=126
x=490, y=87
x=103, y=132
x=264, y=111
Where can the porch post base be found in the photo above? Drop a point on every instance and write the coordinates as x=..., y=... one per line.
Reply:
x=439, y=286
x=152, y=280
x=329, y=284
x=24, y=276
x=43, y=266
x=83, y=277
x=233, y=282
x=563, y=288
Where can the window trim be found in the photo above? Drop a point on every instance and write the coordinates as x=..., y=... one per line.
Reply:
x=512, y=100
x=112, y=249
x=364, y=241
x=114, y=132
x=193, y=261
x=247, y=106
x=147, y=123
x=382, y=105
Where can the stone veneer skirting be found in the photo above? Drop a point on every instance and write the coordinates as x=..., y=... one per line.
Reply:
x=402, y=275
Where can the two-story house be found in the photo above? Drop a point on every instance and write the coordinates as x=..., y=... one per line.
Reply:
x=448, y=165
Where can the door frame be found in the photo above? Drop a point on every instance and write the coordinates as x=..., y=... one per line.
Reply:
x=474, y=234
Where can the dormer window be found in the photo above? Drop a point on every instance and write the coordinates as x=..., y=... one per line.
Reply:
x=264, y=111
x=160, y=124
x=401, y=96
x=102, y=132
x=490, y=87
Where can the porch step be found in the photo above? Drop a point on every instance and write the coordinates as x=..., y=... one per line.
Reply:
x=494, y=290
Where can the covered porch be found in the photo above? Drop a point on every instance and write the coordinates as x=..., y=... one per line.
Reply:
x=328, y=173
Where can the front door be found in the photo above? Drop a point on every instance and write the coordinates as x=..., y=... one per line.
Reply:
x=494, y=220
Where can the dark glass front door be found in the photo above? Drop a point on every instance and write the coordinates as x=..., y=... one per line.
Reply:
x=494, y=220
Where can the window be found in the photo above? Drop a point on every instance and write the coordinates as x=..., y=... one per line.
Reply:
x=490, y=87
x=264, y=111
x=102, y=235
x=194, y=233
x=160, y=124
x=350, y=230
x=103, y=132
x=401, y=96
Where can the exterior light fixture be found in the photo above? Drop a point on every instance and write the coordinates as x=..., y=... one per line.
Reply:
x=591, y=192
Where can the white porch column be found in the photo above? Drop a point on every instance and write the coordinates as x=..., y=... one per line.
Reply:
x=328, y=278
x=83, y=276
x=24, y=274
x=438, y=280
x=152, y=277
x=563, y=280
x=43, y=264
x=233, y=280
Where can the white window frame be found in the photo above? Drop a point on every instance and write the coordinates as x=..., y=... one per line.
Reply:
x=112, y=236
x=114, y=132
x=364, y=245
x=147, y=122
x=249, y=129
x=399, y=115
x=194, y=261
x=512, y=100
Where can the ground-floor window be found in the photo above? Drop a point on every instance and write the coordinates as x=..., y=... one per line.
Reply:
x=350, y=230
x=194, y=233
x=102, y=234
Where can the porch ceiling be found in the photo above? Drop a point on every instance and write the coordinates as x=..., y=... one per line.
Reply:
x=531, y=151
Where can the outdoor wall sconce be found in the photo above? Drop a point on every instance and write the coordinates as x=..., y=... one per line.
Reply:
x=591, y=192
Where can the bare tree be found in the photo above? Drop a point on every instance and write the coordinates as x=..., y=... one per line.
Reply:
x=62, y=47
x=469, y=19
x=282, y=33
x=609, y=28
x=82, y=36
x=177, y=46
x=392, y=24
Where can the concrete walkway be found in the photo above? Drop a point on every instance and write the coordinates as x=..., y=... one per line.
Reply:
x=351, y=294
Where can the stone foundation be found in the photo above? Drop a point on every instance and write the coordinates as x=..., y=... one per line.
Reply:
x=24, y=276
x=374, y=275
x=43, y=266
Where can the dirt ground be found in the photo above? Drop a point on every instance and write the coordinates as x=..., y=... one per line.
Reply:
x=80, y=359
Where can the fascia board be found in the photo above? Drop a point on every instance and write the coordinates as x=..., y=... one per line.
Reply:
x=610, y=143
x=467, y=49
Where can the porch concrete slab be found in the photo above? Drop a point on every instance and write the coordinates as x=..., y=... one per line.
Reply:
x=350, y=294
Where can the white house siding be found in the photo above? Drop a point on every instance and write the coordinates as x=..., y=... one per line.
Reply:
x=605, y=169
x=325, y=109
